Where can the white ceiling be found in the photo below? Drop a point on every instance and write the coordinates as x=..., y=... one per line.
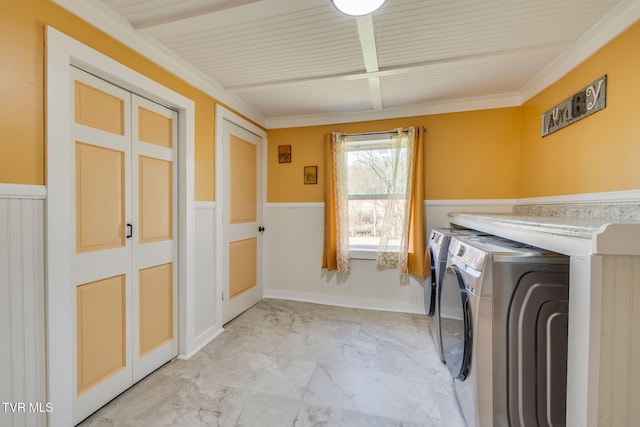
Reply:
x=301, y=59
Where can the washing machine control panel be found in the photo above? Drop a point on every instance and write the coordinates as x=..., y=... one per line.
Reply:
x=472, y=257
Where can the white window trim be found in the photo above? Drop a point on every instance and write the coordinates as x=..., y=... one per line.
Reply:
x=365, y=143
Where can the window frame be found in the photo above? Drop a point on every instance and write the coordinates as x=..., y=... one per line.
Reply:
x=367, y=142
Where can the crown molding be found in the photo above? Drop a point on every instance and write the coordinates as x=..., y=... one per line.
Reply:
x=438, y=107
x=618, y=19
x=108, y=22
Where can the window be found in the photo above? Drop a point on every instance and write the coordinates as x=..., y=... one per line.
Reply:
x=370, y=202
x=373, y=169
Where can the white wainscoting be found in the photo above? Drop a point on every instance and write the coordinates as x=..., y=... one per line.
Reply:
x=437, y=211
x=205, y=303
x=22, y=327
x=620, y=342
x=293, y=258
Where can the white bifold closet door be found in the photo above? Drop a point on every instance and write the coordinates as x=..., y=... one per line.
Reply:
x=124, y=259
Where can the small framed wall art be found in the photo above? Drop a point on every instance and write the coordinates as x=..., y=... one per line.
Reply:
x=284, y=154
x=310, y=174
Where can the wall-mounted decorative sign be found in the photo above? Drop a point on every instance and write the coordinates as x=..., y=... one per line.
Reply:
x=284, y=154
x=310, y=174
x=589, y=100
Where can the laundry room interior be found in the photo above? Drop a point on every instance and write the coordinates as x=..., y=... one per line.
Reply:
x=219, y=178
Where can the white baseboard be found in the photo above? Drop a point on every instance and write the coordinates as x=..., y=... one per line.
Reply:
x=361, y=303
x=202, y=342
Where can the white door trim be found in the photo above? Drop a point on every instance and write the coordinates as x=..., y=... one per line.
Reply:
x=62, y=52
x=223, y=114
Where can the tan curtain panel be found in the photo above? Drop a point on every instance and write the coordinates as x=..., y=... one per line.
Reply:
x=417, y=236
x=329, y=260
x=336, y=243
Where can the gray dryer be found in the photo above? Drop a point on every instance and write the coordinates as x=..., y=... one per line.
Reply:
x=507, y=347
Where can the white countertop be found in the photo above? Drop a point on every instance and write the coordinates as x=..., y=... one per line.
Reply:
x=564, y=234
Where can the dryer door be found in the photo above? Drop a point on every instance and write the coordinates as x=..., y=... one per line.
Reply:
x=455, y=324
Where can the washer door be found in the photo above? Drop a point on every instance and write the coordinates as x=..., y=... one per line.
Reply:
x=455, y=324
x=430, y=288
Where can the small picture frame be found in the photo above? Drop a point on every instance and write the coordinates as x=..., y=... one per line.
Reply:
x=310, y=174
x=284, y=154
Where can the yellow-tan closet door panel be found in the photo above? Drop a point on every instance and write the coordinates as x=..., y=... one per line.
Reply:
x=101, y=259
x=156, y=307
x=101, y=330
x=100, y=198
x=155, y=244
x=155, y=199
x=155, y=128
x=99, y=109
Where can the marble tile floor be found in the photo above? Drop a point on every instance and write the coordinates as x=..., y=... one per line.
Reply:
x=286, y=363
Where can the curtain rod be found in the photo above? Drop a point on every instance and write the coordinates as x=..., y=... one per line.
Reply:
x=386, y=132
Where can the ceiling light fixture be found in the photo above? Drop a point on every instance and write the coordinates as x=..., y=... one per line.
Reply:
x=357, y=7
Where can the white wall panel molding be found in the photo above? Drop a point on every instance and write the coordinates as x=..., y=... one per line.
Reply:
x=105, y=20
x=619, y=380
x=437, y=211
x=205, y=326
x=471, y=202
x=22, y=191
x=204, y=205
x=302, y=205
x=602, y=197
x=22, y=327
x=293, y=256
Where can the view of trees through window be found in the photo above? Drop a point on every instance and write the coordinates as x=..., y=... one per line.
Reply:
x=370, y=181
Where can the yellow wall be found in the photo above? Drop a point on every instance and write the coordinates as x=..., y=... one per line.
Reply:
x=22, y=41
x=481, y=145
x=499, y=152
x=600, y=152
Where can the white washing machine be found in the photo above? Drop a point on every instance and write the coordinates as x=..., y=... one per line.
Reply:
x=506, y=348
x=437, y=249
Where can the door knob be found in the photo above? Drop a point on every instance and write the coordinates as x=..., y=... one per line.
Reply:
x=261, y=229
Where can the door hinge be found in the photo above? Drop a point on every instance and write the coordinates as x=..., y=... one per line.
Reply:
x=223, y=296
